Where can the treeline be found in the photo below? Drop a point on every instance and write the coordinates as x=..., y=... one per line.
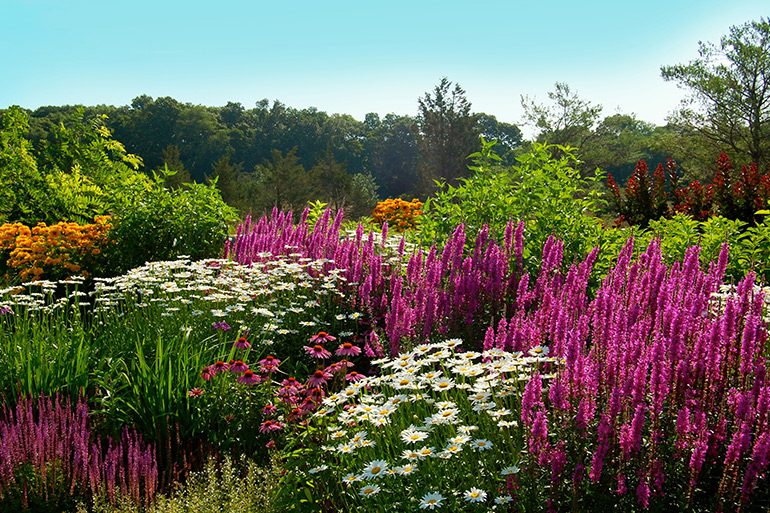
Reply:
x=277, y=155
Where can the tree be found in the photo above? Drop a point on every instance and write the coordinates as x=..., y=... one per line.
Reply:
x=392, y=153
x=282, y=182
x=569, y=121
x=729, y=85
x=508, y=136
x=449, y=132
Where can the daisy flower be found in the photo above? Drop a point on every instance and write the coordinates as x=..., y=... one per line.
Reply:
x=369, y=490
x=480, y=444
x=503, y=499
x=375, y=469
x=411, y=436
x=475, y=495
x=509, y=471
x=431, y=500
x=351, y=478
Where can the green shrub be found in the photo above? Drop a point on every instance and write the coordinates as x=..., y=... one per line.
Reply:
x=156, y=223
x=547, y=193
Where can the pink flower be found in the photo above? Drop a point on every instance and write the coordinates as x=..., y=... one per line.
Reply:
x=308, y=404
x=250, y=378
x=321, y=338
x=219, y=367
x=269, y=426
x=317, y=351
x=241, y=343
x=269, y=364
x=238, y=367
x=348, y=349
x=318, y=378
x=354, y=376
x=207, y=373
x=269, y=409
x=195, y=392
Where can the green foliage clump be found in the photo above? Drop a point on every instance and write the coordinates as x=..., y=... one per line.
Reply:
x=156, y=223
x=234, y=486
x=547, y=193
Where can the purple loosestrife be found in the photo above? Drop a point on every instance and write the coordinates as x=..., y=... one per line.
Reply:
x=52, y=437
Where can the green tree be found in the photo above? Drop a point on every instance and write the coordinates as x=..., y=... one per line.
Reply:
x=507, y=135
x=22, y=188
x=729, y=101
x=281, y=182
x=567, y=121
x=392, y=152
x=449, y=132
x=334, y=182
x=226, y=177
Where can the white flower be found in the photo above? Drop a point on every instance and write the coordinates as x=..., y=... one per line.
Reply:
x=369, y=490
x=503, y=499
x=412, y=436
x=375, y=469
x=509, y=471
x=431, y=500
x=319, y=468
x=475, y=495
x=481, y=444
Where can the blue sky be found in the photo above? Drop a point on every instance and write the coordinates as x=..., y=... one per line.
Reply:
x=355, y=57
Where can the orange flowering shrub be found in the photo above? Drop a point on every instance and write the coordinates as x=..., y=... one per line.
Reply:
x=401, y=215
x=53, y=252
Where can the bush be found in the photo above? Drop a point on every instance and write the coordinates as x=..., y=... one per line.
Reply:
x=53, y=252
x=161, y=224
x=548, y=194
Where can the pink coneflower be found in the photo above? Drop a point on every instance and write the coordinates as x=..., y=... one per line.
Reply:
x=218, y=367
x=269, y=409
x=319, y=378
x=269, y=364
x=238, y=367
x=207, y=373
x=291, y=382
x=250, y=378
x=347, y=349
x=241, y=343
x=354, y=376
x=269, y=426
x=321, y=338
x=316, y=393
x=195, y=392
x=308, y=404
x=317, y=351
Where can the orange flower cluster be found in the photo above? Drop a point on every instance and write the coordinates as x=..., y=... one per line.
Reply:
x=53, y=252
x=401, y=215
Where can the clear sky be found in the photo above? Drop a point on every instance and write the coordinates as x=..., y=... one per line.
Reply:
x=356, y=57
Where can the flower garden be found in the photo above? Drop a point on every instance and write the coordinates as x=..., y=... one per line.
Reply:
x=323, y=365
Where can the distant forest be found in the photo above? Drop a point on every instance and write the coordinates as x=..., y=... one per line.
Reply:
x=307, y=154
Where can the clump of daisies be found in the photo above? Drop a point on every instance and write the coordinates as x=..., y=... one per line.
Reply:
x=436, y=429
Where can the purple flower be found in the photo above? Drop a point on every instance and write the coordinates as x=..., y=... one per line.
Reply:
x=241, y=343
x=317, y=351
x=195, y=392
x=318, y=378
x=222, y=325
x=347, y=349
x=250, y=378
x=322, y=337
x=238, y=367
x=269, y=426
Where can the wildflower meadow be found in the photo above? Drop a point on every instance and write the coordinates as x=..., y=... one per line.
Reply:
x=321, y=364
